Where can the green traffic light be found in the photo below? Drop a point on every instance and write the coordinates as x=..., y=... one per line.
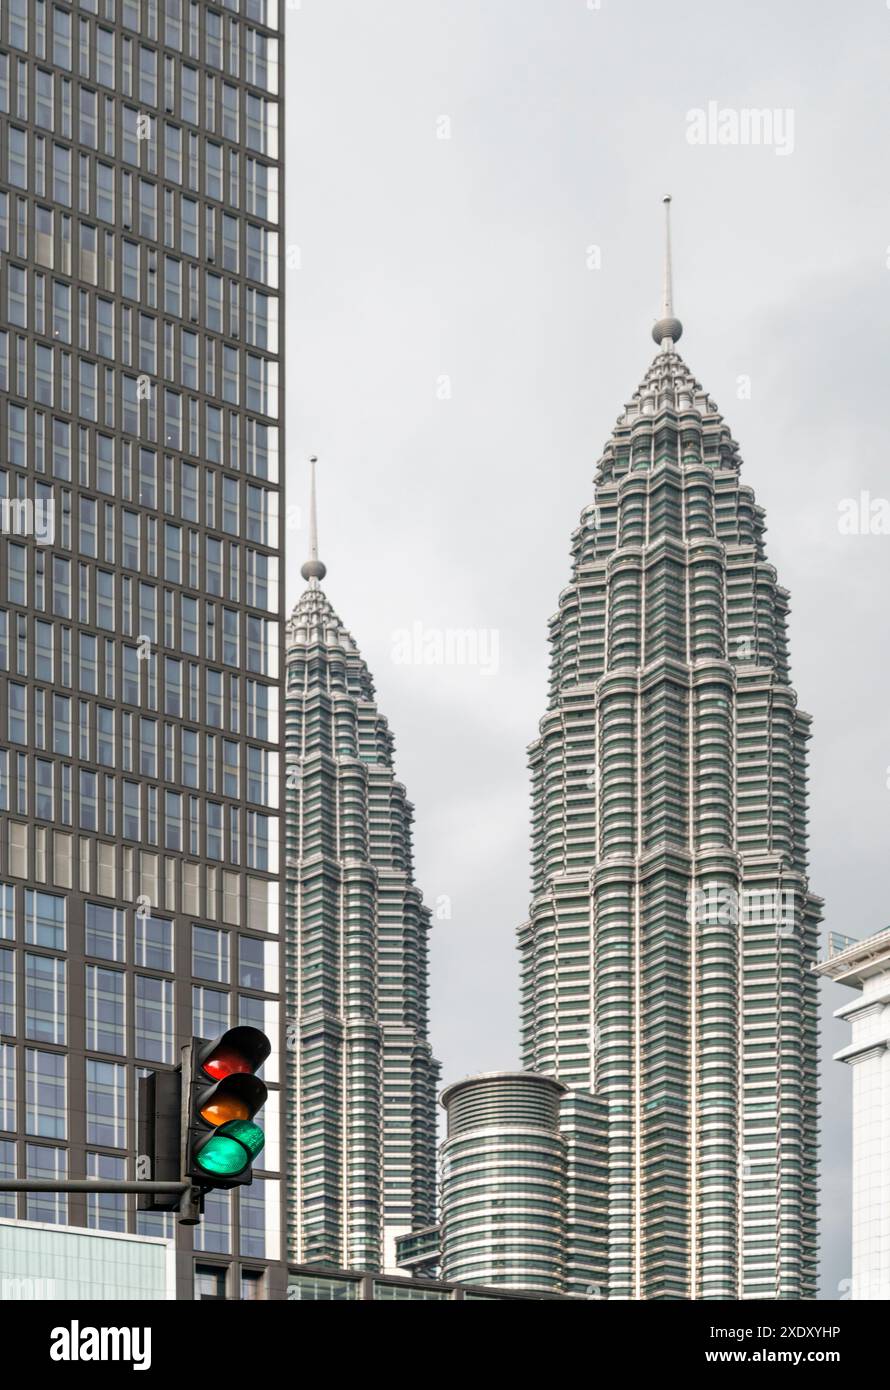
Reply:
x=231, y=1149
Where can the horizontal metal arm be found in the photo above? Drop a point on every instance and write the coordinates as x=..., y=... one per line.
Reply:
x=87, y=1185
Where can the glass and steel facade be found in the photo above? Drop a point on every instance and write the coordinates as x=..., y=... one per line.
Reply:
x=666, y=962
x=523, y=1186
x=305, y=1284
x=504, y=1183
x=361, y=1133
x=48, y=1262
x=139, y=597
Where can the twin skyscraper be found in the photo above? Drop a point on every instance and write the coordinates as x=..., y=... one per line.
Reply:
x=662, y=1139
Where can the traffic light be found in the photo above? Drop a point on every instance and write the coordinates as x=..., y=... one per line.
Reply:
x=221, y=1140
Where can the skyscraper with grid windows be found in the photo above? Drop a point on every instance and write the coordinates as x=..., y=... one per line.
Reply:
x=666, y=962
x=139, y=595
x=361, y=1129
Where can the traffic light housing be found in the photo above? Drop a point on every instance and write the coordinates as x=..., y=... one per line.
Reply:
x=221, y=1095
x=159, y=1136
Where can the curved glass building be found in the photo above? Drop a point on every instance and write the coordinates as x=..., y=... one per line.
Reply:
x=504, y=1182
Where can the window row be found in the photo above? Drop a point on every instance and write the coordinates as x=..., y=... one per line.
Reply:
x=34, y=231
x=104, y=123
x=45, y=1014
x=218, y=500
x=46, y=1096
x=43, y=922
x=127, y=874
x=132, y=337
x=73, y=178
x=85, y=45
x=230, y=635
x=128, y=742
x=54, y=377
x=123, y=469
x=100, y=802
x=110, y=600
x=117, y=602
x=131, y=541
x=221, y=708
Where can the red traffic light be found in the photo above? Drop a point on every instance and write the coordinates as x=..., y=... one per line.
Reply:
x=238, y=1050
x=224, y=1064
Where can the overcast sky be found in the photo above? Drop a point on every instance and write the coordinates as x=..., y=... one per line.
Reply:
x=457, y=361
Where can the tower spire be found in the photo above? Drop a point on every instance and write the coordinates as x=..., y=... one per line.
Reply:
x=314, y=569
x=668, y=328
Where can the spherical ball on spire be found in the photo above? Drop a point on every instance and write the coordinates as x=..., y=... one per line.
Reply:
x=314, y=569
x=667, y=328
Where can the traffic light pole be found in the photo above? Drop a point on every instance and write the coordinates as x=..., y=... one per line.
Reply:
x=190, y=1197
x=88, y=1185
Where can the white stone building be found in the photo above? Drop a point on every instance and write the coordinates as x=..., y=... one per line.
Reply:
x=865, y=967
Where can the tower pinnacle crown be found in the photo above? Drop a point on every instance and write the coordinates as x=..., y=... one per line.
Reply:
x=668, y=329
x=313, y=569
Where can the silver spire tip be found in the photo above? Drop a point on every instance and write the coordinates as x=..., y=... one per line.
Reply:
x=668, y=329
x=313, y=569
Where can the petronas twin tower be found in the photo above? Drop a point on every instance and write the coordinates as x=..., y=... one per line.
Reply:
x=361, y=1076
x=666, y=965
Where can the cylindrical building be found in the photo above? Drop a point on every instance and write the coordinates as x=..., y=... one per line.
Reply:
x=504, y=1182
